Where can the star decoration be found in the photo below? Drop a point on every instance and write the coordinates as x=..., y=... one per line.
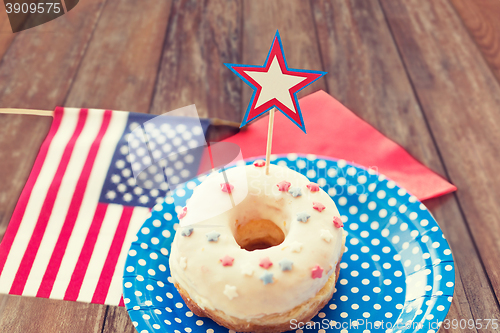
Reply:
x=286, y=265
x=213, y=236
x=313, y=187
x=295, y=191
x=296, y=247
x=267, y=278
x=230, y=291
x=283, y=186
x=227, y=261
x=265, y=263
x=111, y=195
x=246, y=269
x=259, y=163
x=303, y=217
x=318, y=206
x=144, y=199
x=186, y=232
x=317, y=272
x=226, y=187
x=337, y=222
x=183, y=262
x=121, y=187
x=183, y=213
x=275, y=85
x=326, y=235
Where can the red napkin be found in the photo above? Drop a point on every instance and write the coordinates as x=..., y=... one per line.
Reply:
x=334, y=131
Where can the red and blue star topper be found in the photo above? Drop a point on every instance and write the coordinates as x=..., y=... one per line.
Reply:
x=275, y=85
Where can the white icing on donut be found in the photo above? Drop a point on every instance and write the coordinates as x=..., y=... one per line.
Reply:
x=301, y=264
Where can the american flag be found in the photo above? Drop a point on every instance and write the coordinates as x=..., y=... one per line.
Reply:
x=82, y=203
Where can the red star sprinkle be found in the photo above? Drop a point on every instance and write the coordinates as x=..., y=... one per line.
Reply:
x=283, y=186
x=317, y=272
x=318, y=206
x=265, y=263
x=226, y=187
x=259, y=163
x=313, y=187
x=337, y=222
x=183, y=213
x=227, y=261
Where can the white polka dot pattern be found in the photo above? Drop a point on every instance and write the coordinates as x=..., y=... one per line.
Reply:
x=393, y=242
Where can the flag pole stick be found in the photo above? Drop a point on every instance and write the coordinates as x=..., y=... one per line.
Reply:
x=27, y=112
x=48, y=113
x=269, y=139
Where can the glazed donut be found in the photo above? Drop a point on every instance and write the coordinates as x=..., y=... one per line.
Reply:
x=254, y=251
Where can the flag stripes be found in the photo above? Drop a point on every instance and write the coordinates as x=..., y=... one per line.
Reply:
x=70, y=220
x=62, y=242
x=18, y=213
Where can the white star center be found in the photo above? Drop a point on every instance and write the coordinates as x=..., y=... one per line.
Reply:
x=275, y=84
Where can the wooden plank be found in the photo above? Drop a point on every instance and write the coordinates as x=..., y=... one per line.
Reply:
x=481, y=17
x=367, y=75
x=460, y=97
x=6, y=34
x=119, y=68
x=40, y=64
x=294, y=21
x=29, y=314
x=36, y=72
x=202, y=35
x=117, y=320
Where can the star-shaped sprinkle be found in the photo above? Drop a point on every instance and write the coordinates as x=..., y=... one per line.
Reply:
x=326, y=235
x=246, y=269
x=265, y=263
x=227, y=261
x=259, y=163
x=267, y=278
x=318, y=206
x=283, y=186
x=183, y=262
x=295, y=191
x=186, y=232
x=303, y=217
x=296, y=247
x=213, y=236
x=313, y=187
x=337, y=222
x=230, y=291
x=317, y=272
x=226, y=187
x=183, y=213
x=286, y=265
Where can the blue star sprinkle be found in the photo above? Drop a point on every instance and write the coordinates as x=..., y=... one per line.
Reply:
x=213, y=236
x=267, y=278
x=286, y=265
x=295, y=191
x=303, y=217
x=186, y=232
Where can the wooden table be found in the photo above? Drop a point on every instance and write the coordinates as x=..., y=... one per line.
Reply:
x=425, y=73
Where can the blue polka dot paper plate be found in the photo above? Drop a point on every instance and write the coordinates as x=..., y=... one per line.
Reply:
x=397, y=274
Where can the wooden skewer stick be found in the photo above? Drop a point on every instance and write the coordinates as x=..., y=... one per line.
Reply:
x=269, y=139
x=27, y=112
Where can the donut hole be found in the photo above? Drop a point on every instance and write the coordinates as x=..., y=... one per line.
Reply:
x=258, y=234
